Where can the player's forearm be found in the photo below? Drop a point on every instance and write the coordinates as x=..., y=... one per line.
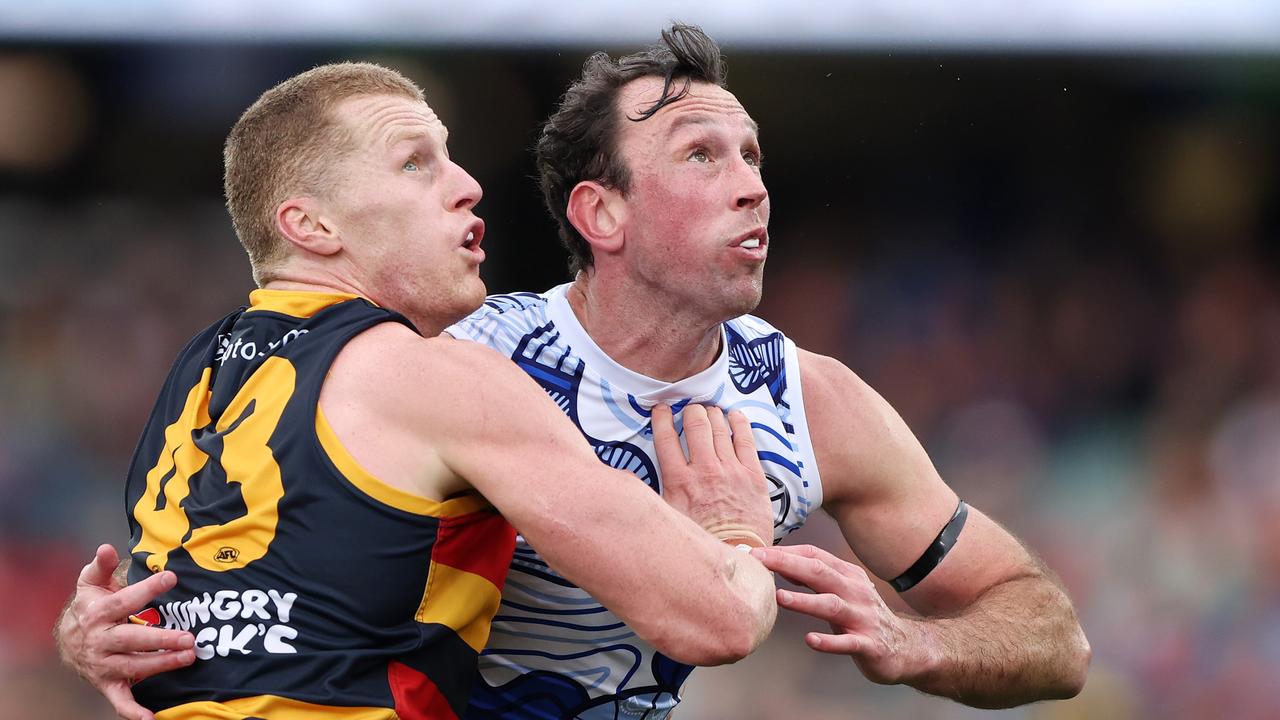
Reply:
x=1018, y=643
x=694, y=598
x=720, y=620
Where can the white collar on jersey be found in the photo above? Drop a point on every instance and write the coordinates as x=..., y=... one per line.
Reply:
x=702, y=387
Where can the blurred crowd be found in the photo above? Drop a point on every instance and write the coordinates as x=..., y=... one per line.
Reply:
x=1087, y=341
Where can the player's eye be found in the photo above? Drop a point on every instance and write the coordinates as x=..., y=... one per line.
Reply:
x=700, y=155
x=410, y=166
x=752, y=157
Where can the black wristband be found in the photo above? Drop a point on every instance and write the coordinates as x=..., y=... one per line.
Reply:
x=934, y=553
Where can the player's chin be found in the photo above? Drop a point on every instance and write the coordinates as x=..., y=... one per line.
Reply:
x=745, y=295
x=471, y=293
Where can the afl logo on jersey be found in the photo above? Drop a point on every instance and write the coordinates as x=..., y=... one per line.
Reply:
x=226, y=554
x=780, y=500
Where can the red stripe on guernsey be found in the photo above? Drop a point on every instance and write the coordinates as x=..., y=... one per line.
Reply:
x=150, y=616
x=416, y=697
x=480, y=543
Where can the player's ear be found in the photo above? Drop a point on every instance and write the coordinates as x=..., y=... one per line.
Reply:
x=598, y=213
x=302, y=223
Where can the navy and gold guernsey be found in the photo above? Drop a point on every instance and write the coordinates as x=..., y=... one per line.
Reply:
x=314, y=590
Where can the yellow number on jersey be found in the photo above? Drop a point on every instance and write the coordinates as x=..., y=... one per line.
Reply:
x=245, y=427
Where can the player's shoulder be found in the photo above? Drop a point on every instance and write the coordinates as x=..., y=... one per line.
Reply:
x=503, y=322
x=405, y=375
x=508, y=307
x=840, y=404
x=828, y=376
x=516, y=302
x=394, y=351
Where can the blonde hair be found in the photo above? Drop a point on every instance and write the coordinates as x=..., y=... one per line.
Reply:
x=287, y=144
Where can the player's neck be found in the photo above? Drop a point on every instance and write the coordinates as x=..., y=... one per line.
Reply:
x=308, y=279
x=664, y=343
x=293, y=286
x=427, y=326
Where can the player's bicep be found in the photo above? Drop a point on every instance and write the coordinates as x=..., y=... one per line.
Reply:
x=984, y=555
x=888, y=499
x=519, y=450
x=494, y=411
x=510, y=441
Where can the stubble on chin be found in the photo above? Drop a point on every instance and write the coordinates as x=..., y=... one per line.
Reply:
x=750, y=297
x=470, y=296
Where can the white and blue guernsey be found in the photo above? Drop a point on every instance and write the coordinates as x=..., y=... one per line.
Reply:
x=554, y=652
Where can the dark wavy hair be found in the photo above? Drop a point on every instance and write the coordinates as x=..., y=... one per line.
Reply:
x=579, y=140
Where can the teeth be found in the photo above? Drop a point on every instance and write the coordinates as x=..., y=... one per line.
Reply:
x=751, y=243
x=471, y=237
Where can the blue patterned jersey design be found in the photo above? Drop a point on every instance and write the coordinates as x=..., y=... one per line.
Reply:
x=554, y=652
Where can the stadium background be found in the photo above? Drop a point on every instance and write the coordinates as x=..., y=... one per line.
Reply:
x=1056, y=256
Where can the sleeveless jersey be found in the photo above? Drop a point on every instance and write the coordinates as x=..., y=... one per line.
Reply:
x=554, y=651
x=314, y=590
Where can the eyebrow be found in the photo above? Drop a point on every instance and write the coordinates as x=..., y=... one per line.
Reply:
x=400, y=136
x=403, y=136
x=704, y=119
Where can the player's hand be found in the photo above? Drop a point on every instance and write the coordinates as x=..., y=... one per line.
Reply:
x=720, y=485
x=862, y=626
x=96, y=639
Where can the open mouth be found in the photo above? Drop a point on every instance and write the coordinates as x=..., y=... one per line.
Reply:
x=752, y=240
x=474, y=235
